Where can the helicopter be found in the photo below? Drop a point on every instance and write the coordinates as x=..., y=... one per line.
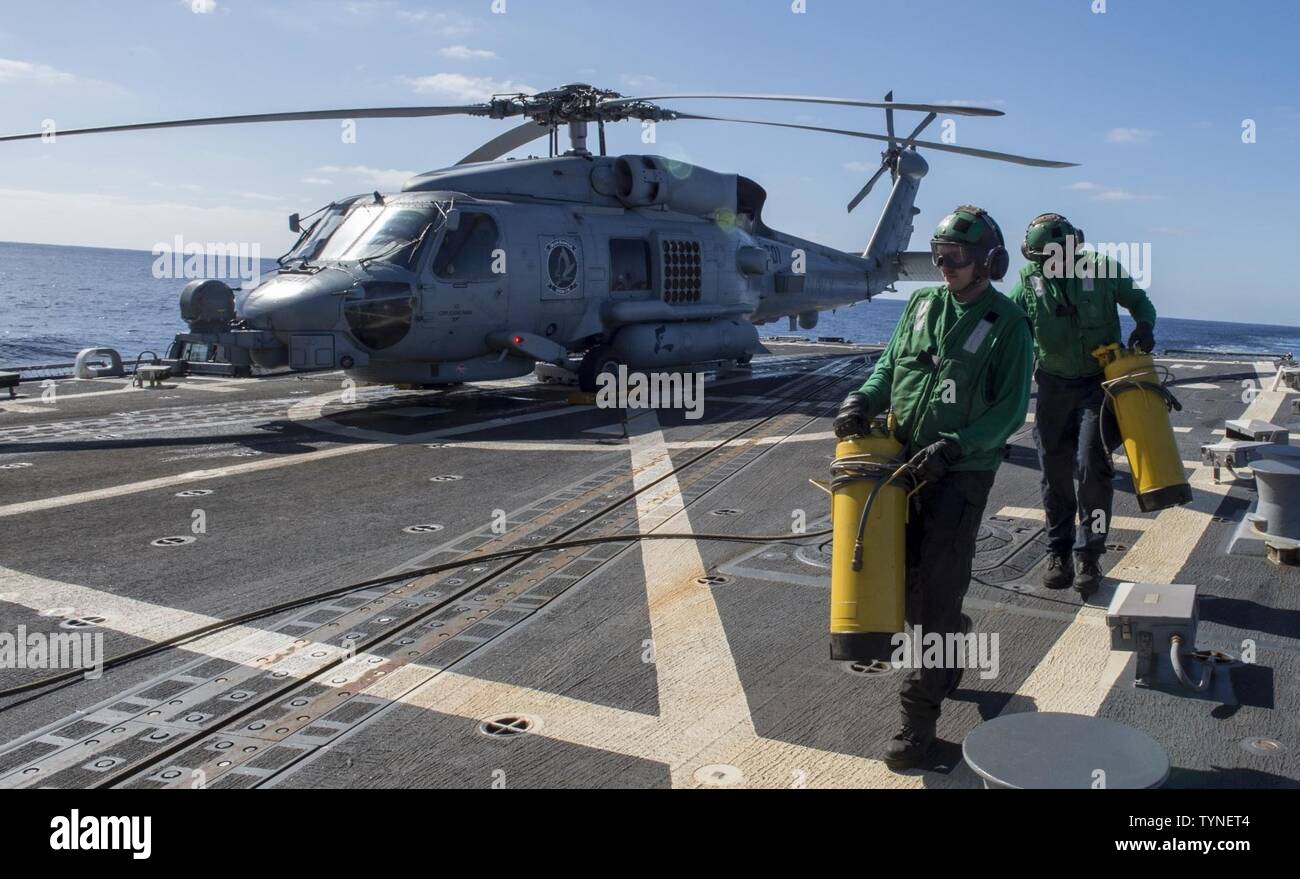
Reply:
x=483, y=270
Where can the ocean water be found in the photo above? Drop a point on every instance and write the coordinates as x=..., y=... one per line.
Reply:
x=55, y=300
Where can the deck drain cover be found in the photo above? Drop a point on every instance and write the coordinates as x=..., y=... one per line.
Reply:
x=507, y=726
x=869, y=669
x=725, y=511
x=713, y=580
x=1259, y=745
x=194, y=492
x=86, y=622
x=173, y=541
x=818, y=556
x=719, y=775
x=446, y=477
x=422, y=529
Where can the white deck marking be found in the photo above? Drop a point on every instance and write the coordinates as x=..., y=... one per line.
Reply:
x=1078, y=671
x=139, y=619
x=705, y=712
x=1121, y=523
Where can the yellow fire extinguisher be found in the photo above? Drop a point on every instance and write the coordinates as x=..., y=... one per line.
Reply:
x=1141, y=404
x=868, y=555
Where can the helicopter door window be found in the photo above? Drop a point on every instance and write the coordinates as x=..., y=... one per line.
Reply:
x=629, y=264
x=467, y=253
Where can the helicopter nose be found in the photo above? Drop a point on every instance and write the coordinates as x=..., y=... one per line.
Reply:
x=295, y=303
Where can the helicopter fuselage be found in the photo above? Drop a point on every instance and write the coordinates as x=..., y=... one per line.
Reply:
x=651, y=262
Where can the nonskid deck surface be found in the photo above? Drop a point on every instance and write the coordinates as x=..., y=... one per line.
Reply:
x=659, y=663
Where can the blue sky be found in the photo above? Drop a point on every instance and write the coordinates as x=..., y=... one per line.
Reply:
x=1149, y=97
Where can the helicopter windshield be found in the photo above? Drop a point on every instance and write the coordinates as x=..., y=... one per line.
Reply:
x=311, y=245
x=381, y=232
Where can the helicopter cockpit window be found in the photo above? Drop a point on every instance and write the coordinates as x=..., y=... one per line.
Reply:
x=349, y=231
x=394, y=235
x=314, y=241
x=629, y=264
x=467, y=253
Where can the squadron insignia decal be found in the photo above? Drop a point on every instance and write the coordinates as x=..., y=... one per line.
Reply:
x=561, y=267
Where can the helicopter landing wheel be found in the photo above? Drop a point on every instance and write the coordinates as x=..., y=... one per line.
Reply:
x=597, y=362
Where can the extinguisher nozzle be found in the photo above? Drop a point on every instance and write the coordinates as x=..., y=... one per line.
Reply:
x=857, y=556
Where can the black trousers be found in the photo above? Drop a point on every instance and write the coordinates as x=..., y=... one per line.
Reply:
x=1067, y=432
x=942, y=529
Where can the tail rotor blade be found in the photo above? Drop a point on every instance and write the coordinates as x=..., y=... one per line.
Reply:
x=917, y=130
x=866, y=190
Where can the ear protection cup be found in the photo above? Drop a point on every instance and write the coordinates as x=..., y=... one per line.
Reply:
x=997, y=263
x=997, y=260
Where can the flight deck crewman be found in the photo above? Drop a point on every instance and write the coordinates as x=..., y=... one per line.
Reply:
x=957, y=374
x=1070, y=296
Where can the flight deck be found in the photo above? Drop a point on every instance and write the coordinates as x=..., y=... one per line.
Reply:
x=256, y=510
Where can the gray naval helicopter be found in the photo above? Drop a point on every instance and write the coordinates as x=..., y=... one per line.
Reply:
x=481, y=271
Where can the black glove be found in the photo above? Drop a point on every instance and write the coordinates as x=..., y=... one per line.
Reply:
x=854, y=417
x=1143, y=337
x=935, y=459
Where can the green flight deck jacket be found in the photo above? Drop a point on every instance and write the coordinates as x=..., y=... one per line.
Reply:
x=958, y=372
x=1073, y=316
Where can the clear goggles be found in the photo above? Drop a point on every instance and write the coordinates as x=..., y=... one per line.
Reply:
x=946, y=254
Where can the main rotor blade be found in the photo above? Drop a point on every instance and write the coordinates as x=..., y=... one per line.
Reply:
x=508, y=142
x=943, y=147
x=309, y=115
x=866, y=190
x=806, y=99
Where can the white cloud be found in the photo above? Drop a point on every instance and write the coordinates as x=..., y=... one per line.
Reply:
x=94, y=219
x=446, y=24
x=640, y=81
x=201, y=7
x=1107, y=193
x=379, y=178
x=962, y=102
x=1123, y=195
x=12, y=70
x=862, y=167
x=465, y=53
x=1116, y=195
x=1129, y=135
x=318, y=181
x=260, y=196
x=459, y=87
